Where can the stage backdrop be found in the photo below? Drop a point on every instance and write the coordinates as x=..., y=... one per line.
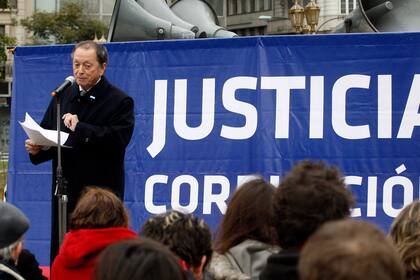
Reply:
x=211, y=112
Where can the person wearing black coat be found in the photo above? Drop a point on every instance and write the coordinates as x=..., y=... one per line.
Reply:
x=28, y=266
x=99, y=118
x=282, y=265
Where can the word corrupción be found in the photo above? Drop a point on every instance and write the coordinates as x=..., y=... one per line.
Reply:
x=209, y=193
x=283, y=86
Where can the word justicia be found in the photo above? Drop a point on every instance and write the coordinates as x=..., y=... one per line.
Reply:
x=283, y=88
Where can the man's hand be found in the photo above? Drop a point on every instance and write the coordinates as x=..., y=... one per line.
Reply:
x=32, y=148
x=70, y=121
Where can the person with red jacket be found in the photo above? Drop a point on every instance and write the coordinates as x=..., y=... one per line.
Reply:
x=99, y=219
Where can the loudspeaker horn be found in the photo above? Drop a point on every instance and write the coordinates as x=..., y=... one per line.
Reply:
x=382, y=16
x=201, y=14
x=130, y=22
x=160, y=9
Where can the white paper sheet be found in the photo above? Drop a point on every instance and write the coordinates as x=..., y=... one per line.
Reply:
x=41, y=136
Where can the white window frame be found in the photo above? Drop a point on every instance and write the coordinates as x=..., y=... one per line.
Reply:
x=347, y=6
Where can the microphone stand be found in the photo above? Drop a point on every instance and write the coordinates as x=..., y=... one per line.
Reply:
x=61, y=182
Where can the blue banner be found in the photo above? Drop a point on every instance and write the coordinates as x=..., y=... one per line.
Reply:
x=211, y=112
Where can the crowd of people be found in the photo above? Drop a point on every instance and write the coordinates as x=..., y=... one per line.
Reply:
x=301, y=229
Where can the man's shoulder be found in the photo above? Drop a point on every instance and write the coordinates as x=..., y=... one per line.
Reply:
x=116, y=91
x=282, y=265
x=7, y=271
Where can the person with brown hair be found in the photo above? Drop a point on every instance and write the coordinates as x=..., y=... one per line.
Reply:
x=187, y=236
x=98, y=220
x=141, y=259
x=405, y=234
x=349, y=250
x=246, y=236
x=311, y=194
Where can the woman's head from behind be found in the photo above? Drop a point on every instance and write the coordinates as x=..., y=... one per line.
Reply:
x=142, y=259
x=98, y=208
x=405, y=233
x=248, y=216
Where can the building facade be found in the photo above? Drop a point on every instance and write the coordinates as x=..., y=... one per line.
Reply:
x=99, y=9
x=269, y=17
x=11, y=13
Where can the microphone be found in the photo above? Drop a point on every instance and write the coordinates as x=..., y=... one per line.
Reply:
x=67, y=82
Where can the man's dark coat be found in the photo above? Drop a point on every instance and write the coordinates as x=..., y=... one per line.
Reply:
x=97, y=146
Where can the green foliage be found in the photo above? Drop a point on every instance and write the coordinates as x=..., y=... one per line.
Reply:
x=3, y=177
x=70, y=25
x=4, y=4
x=4, y=42
x=7, y=4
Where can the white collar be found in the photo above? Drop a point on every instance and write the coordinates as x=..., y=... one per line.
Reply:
x=81, y=89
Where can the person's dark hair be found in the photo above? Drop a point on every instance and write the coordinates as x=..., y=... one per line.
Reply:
x=98, y=208
x=248, y=216
x=311, y=194
x=138, y=259
x=187, y=236
x=101, y=52
x=349, y=250
x=405, y=234
x=153, y=228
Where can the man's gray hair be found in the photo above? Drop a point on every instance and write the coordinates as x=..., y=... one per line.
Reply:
x=6, y=252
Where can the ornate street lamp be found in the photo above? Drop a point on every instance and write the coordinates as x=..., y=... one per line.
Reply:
x=312, y=15
x=297, y=14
